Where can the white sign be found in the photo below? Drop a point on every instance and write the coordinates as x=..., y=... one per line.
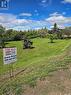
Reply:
x=9, y=55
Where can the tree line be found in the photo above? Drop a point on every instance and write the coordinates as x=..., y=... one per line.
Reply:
x=14, y=35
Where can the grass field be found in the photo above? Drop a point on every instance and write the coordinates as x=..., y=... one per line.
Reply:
x=44, y=58
x=42, y=49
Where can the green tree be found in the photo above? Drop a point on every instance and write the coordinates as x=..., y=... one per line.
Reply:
x=55, y=28
x=67, y=32
x=57, y=31
x=43, y=32
x=2, y=37
x=10, y=34
x=51, y=37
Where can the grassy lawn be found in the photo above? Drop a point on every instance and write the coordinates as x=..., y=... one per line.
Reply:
x=42, y=51
x=39, y=62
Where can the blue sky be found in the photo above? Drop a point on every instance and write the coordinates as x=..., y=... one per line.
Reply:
x=36, y=14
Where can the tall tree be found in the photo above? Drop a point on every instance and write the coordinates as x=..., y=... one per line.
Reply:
x=55, y=28
x=2, y=36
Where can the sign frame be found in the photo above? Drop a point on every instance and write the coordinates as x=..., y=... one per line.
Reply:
x=9, y=55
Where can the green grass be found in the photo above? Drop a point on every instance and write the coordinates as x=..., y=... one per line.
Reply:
x=42, y=51
x=40, y=62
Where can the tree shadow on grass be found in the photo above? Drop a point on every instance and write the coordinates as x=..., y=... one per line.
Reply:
x=51, y=42
x=6, y=43
x=29, y=48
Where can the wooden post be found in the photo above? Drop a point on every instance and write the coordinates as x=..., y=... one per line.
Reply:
x=11, y=72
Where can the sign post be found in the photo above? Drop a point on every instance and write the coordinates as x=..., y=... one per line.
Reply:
x=9, y=57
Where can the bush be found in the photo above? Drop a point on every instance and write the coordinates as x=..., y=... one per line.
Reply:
x=52, y=37
x=27, y=43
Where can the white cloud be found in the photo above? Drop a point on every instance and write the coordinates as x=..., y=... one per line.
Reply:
x=13, y=21
x=22, y=27
x=25, y=14
x=37, y=28
x=7, y=20
x=55, y=14
x=10, y=20
x=59, y=19
x=59, y=26
x=7, y=17
x=66, y=1
x=45, y=3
